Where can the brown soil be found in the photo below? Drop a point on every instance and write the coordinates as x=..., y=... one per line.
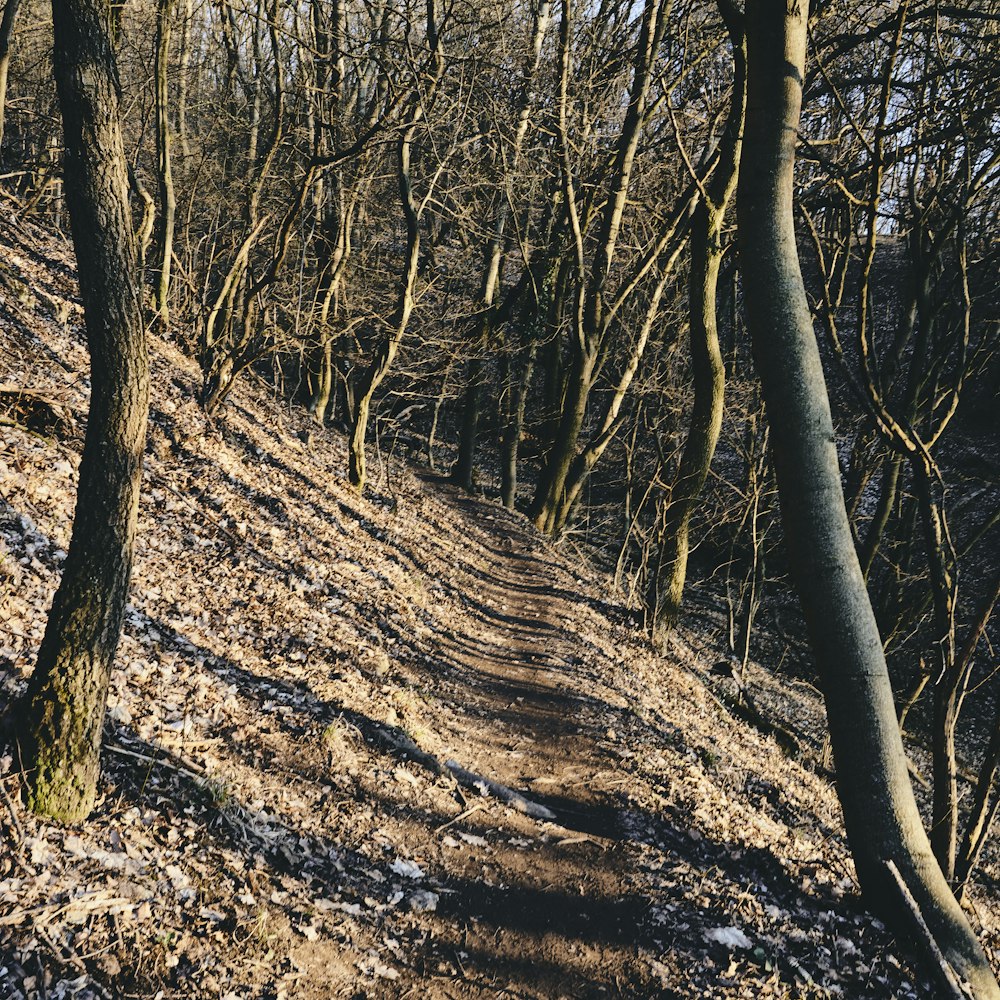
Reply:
x=297, y=661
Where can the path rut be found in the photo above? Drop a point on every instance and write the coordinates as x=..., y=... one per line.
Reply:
x=549, y=909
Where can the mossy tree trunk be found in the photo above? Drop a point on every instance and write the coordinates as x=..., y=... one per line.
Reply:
x=63, y=710
x=883, y=823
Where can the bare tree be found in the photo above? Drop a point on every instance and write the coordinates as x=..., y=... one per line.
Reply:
x=883, y=823
x=715, y=190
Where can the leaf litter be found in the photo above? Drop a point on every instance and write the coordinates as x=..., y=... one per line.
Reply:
x=274, y=817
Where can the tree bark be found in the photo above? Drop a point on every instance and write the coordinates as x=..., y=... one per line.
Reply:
x=6, y=30
x=63, y=708
x=168, y=203
x=880, y=812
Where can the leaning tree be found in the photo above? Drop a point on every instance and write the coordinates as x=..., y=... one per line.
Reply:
x=897, y=869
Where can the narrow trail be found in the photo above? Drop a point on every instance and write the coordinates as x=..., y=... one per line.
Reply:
x=562, y=917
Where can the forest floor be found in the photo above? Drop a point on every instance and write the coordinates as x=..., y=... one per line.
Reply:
x=394, y=745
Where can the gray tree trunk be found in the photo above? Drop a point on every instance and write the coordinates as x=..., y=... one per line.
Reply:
x=880, y=813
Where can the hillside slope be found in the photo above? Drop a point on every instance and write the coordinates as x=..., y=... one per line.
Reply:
x=321, y=705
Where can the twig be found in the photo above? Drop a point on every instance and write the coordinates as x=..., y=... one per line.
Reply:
x=583, y=838
x=458, y=819
x=951, y=980
x=188, y=768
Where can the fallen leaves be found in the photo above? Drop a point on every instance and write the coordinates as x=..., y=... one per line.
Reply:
x=267, y=827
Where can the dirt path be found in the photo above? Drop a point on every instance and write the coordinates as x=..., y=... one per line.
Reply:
x=263, y=832
x=545, y=909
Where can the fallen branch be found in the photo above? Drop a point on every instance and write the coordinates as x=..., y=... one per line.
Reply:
x=167, y=759
x=467, y=779
x=506, y=795
x=404, y=745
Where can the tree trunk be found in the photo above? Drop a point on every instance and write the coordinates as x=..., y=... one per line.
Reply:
x=462, y=472
x=880, y=812
x=515, y=400
x=63, y=709
x=706, y=354
x=6, y=29
x=551, y=488
x=168, y=204
x=588, y=343
x=950, y=690
x=886, y=501
x=385, y=354
x=183, y=64
x=464, y=467
x=982, y=813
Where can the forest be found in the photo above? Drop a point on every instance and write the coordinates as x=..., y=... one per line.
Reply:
x=497, y=479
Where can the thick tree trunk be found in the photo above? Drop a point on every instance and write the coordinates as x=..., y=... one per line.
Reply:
x=880, y=813
x=64, y=705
